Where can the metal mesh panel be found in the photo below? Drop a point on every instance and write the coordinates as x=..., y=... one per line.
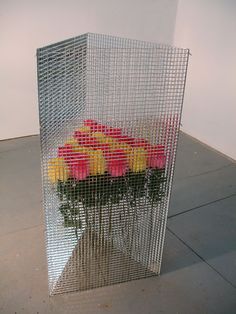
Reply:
x=110, y=112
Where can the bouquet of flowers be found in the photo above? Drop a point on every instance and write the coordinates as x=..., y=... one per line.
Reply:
x=100, y=166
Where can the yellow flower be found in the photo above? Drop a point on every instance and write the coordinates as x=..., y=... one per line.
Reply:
x=85, y=129
x=102, y=138
x=125, y=147
x=138, y=159
x=71, y=141
x=57, y=170
x=97, y=163
x=114, y=144
x=99, y=135
x=75, y=146
x=80, y=149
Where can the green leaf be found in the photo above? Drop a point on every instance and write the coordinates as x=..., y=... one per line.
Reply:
x=73, y=223
x=156, y=185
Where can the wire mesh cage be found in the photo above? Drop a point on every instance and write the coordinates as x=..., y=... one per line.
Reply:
x=110, y=112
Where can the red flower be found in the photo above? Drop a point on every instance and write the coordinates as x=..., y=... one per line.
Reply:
x=156, y=157
x=79, y=166
x=117, y=164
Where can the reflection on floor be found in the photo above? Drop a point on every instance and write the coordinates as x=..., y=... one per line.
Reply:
x=93, y=265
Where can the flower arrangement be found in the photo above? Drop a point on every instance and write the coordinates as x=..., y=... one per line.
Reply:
x=101, y=166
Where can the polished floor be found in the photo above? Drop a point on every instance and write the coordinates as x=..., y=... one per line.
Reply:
x=199, y=261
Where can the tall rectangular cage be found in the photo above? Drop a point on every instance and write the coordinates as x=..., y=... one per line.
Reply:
x=110, y=111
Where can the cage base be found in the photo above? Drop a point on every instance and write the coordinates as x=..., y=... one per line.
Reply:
x=89, y=267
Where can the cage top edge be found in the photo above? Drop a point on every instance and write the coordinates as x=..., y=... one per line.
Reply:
x=86, y=35
x=62, y=42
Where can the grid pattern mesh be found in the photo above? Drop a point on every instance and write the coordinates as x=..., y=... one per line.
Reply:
x=110, y=112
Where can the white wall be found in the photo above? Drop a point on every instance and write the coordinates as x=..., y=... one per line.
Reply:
x=208, y=28
x=28, y=24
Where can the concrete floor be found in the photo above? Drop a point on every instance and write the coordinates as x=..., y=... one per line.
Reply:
x=199, y=262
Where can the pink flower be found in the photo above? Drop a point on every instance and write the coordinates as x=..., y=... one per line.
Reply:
x=79, y=166
x=113, y=132
x=141, y=142
x=99, y=128
x=90, y=142
x=158, y=162
x=86, y=140
x=78, y=163
x=94, y=126
x=90, y=123
x=65, y=152
x=156, y=157
x=117, y=163
x=104, y=147
x=126, y=139
x=78, y=135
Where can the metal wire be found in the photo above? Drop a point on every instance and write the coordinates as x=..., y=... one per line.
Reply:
x=105, y=228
